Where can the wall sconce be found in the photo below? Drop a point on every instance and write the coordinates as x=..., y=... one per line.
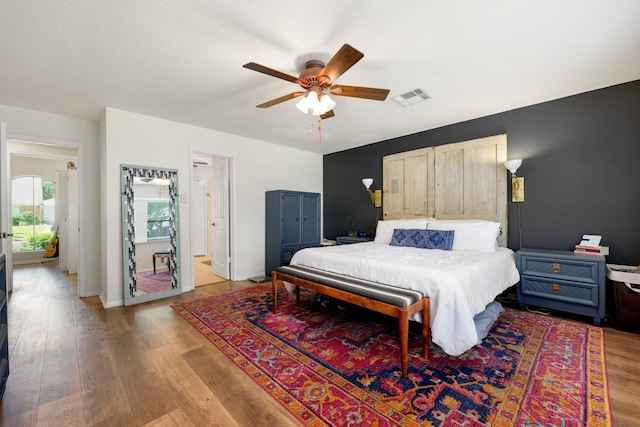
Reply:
x=376, y=196
x=517, y=183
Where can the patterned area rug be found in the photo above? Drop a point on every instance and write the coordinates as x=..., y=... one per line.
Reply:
x=149, y=282
x=331, y=366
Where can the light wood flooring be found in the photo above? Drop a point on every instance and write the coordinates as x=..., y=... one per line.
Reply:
x=202, y=274
x=74, y=363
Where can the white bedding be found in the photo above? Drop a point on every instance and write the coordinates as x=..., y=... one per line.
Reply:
x=459, y=284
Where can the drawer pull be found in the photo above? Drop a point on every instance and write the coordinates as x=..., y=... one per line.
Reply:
x=556, y=267
x=556, y=288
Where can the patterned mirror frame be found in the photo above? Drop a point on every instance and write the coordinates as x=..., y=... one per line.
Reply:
x=127, y=174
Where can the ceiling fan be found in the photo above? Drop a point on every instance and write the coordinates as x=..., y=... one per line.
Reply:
x=317, y=79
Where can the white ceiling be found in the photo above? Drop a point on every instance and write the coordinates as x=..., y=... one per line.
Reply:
x=182, y=60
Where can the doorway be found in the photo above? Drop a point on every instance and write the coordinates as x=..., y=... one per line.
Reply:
x=54, y=162
x=210, y=218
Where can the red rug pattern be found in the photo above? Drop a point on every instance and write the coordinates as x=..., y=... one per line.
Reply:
x=150, y=282
x=334, y=367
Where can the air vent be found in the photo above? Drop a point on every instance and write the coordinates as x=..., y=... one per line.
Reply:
x=413, y=97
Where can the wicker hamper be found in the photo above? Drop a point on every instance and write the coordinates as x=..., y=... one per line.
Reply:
x=626, y=290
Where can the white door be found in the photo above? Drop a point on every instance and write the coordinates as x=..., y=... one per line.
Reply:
x=199, y=218
x=220, y=216
x=6, y=223
x=74, y=226
x=62, y=195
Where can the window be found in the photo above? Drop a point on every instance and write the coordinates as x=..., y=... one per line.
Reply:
x=152, y=220
x=158, y=220
x=151, y=210
x=33, y=211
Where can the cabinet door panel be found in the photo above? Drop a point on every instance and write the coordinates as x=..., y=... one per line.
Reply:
x=472, y=181
x=310, y=219
x=408, y=184
x=418, y=167
x=484, y=180
x=393, y=186
x=292, y=221
x=450, y=164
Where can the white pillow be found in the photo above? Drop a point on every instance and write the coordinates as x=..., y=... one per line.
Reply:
x=470, y=235
x=384, y=230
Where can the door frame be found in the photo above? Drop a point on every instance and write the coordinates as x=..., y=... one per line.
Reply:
x=81, y=211
x=231, y=208
x=6, y=246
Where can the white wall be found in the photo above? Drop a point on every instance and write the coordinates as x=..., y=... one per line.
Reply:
x=27, y=165
x=30, y=124
x=135, y=139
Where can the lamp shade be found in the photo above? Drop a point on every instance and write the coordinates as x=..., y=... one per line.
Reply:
x=326, y=104
x=309, y=102
x=302, y=105
x=318, y=103
x=367, y=182
x=513, y=165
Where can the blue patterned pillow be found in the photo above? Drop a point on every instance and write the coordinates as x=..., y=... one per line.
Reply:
x=424, y=239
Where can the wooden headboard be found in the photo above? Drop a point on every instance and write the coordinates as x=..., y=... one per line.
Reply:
x=463, y=180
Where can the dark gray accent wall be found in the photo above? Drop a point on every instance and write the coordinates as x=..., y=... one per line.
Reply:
x=581, y=164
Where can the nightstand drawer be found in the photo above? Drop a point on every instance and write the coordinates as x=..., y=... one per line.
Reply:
x=561, y=291
x=560, y=269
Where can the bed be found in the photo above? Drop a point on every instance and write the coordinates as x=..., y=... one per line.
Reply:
x=460, y=282
x=453, y=200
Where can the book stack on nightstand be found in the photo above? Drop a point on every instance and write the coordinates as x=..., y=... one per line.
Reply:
x=590, y=245
x=589, y=250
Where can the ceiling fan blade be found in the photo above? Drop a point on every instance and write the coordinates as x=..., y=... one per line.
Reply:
x=346, y=57
x=360, y=92
x=279, y=100
x=271, y=72
x=327, y=115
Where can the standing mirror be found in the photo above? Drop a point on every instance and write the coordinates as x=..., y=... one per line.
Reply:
x=149, y=233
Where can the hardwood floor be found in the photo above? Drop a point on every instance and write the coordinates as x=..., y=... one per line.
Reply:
x=74, y=363
x=202, y=274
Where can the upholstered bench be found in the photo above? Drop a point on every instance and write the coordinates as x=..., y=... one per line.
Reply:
x=398, y=302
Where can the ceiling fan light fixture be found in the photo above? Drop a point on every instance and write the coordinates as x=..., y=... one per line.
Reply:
x=318, y=77
x=302, y=105
x=327, y=103
x=309, y=102
x=317, y=106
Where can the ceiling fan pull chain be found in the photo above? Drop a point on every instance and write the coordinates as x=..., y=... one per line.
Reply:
x=320, y=131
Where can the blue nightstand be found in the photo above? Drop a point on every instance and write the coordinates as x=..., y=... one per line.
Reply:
x=562, y=280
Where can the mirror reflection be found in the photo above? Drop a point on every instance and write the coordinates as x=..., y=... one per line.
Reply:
x=150, y=240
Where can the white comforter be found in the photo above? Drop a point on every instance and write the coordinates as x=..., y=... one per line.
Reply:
x=459, y=283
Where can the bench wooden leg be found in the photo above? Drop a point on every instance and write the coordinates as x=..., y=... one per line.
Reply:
x=403, y=323
x=425, y=328
x=274, y=286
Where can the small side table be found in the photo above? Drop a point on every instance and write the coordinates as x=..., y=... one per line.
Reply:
x=347, y=240
x=161, y=255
